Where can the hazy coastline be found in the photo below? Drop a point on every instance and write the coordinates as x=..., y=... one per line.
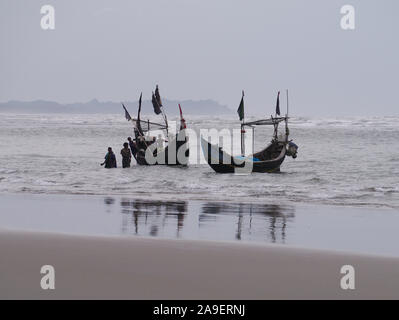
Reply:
x=94, y=106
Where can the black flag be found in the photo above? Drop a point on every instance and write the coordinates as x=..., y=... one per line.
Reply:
x=158, y=97
x=278, y=104
x=127, y=115
x=155, y=104
x=240, y=109
x=138, y=122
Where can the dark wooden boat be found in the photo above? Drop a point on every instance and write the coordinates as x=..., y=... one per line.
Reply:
x=150, y=150
x=166, y=156
x=267, y=160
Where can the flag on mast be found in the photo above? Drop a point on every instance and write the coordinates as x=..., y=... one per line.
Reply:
x=278, y=104
x=141, y=95
x=138, y=122
x=182, y=121
x=155, y=104
x=158, y=96
x=127, y=115
x=240, y=109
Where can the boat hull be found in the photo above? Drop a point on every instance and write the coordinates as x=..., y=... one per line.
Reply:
x=170, y=155
x=235, y=165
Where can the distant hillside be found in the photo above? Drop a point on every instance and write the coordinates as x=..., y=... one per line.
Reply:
x=202, y=107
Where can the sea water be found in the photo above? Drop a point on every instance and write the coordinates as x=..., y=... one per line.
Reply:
x=341, y=161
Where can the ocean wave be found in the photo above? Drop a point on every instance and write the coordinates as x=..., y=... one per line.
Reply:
x=381, y=189
x=36, y=155
x=347, y=122
x=316, y=180
x=8, y=171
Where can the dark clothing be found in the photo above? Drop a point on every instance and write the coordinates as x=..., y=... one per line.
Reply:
x=126, y=157
x=110, y=160
x=136, y=134
x=133, y=148
x=126, y=162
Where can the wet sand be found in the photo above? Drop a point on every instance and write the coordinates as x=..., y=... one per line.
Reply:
x=342, y=228
x=98, y=267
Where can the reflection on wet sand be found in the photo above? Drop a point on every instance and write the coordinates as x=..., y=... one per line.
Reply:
x=153, y=214
x=205, y=220
x=276, y=215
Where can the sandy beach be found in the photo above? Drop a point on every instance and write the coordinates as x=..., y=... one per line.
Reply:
x=94, y=267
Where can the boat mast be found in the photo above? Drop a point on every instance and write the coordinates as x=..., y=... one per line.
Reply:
x=139, y=129
x=242, y=130
x=157, y=94
x=242, y=138
x=138, y=123
x=166, y=122
x=253, y=139
x=286, y=119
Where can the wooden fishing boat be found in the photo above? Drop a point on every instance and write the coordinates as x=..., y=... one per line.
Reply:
x=267, y=160
x=151, y=150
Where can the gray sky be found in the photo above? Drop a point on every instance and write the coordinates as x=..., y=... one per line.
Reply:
x=200, y=49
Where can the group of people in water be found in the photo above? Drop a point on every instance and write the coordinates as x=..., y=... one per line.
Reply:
x=129, y=149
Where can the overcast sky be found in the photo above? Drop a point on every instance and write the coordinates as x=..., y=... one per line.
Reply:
x=205, y=49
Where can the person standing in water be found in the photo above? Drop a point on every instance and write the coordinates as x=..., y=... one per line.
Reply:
x=126, y=156
x=110, y=159
x=133, y=147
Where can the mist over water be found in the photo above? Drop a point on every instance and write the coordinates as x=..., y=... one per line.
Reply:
x=341, y=161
